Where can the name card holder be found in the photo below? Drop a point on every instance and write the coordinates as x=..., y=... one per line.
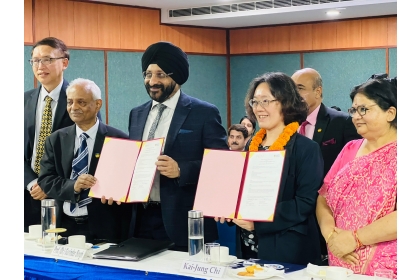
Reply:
x=68, y=252
x=207, y=270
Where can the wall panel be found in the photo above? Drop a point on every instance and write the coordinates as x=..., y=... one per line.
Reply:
x=258, y=40
x=324, y=36
x=86, y=25
x=207, y=81
x=28, y=80
x=109, y=35
x=41, y=19
x=125, y=86
x=88, y=65
x=349, y=34
x=341, y=70
x=392, y=31
x=170, y=34
x=374, y=32
x=150, y=28
x=302, y=37
x=392, y=62
x=243, y=69
x=28, y=34
x=238, y=41
x=278, y=40
x=61, y=20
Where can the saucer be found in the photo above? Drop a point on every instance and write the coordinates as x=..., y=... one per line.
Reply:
x=87, y=246
x=28, y=237
x=229, y=260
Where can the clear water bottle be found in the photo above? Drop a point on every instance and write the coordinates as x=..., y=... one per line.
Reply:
x=48, y=221
x=195, y=235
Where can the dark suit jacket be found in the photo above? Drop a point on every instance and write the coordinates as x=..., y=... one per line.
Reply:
x=333, y=130
x=195, y=125
x=105, y=221
x=293, y=235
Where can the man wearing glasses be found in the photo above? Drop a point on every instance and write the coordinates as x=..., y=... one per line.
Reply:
x=50, y=58
x=188, y=125
x=330, y=128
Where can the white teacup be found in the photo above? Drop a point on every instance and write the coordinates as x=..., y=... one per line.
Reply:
x=35, y=231
x=77, y=241
x=224, y=253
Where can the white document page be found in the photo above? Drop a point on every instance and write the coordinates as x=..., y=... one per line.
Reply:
x=261, y=185
x=145, y=170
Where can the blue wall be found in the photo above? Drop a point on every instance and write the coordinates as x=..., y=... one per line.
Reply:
x=27, y=69
x=342, y=70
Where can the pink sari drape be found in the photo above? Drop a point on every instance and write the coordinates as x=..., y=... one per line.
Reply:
x=359, y=191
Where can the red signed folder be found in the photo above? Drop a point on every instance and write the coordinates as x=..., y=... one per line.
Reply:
x=239, y=184
x=126, y=169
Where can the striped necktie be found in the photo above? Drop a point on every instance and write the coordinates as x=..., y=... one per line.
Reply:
x=79, y=167
x=155, y=123
x=44, y=132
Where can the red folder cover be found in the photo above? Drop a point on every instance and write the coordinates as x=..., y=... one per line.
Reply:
x=126, y=169
x=239, y=184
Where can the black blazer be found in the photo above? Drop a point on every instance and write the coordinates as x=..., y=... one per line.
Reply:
x=195, y=125
x=293, y=235
x=333, y=130
x=105, y=221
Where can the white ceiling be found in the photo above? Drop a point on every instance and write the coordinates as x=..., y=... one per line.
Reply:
x=273, y=16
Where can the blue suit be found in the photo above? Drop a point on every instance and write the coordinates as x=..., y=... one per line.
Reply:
x=195, y=125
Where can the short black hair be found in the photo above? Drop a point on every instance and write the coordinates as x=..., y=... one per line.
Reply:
x=240, y=128
x=53, y=43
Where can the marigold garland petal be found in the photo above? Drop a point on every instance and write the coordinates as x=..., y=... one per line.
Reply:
x=281, y=141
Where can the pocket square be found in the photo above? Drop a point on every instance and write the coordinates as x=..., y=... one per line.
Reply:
x=329, y=142
x=181, y=131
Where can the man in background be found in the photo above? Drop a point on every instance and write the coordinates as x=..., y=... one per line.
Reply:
x=69, y=163
x=44, y=112
x=330, y=128
x=237, y=135
x=188, y=125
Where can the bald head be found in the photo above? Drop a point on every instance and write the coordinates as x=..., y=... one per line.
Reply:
x=309, y=83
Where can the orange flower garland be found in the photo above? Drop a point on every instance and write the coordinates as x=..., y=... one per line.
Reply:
x=281, y=141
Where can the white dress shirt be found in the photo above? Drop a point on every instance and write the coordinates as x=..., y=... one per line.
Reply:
x=54, y=94
x=90, y=143
x=161, y=131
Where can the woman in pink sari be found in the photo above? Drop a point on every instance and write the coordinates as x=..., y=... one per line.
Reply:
x=357, y=204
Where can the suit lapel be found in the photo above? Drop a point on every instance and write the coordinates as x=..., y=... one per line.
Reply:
x=61, y=107
x=322, y=121
x=67, y=147
x=30, y=115
x=183, y=108
x=142, y=115
x=97, y=147
x=286, y=166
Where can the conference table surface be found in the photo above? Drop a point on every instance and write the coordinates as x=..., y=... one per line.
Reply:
x=165, y=265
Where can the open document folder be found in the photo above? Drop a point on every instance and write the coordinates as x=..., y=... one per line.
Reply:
x=126, y=169
x=239, y=184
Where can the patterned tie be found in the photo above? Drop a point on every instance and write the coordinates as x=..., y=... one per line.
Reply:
x=79, y=167
x=302, y=128
x=155, y=123
x=45, y=131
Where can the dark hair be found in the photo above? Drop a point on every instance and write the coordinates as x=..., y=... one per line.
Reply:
x=382, y=91
x=253, y=122
x=53, y=43
x=293, y=106
x=240, y=128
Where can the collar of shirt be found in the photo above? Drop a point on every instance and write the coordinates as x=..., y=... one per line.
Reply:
x=170, y=103
x=54, y=94
x=312, y=116
x=91, y=131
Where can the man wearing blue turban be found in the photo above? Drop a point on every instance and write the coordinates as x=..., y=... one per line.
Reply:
x=188, y=126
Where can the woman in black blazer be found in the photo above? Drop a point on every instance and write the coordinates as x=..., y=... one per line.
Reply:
x=273, y=100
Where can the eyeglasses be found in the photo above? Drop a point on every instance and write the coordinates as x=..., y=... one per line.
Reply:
x=254, y=103
x=160, y=75
x=362, y=109
x=44, y=61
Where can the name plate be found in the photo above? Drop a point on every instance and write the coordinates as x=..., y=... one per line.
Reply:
x=68, y=252
x=203, y=269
